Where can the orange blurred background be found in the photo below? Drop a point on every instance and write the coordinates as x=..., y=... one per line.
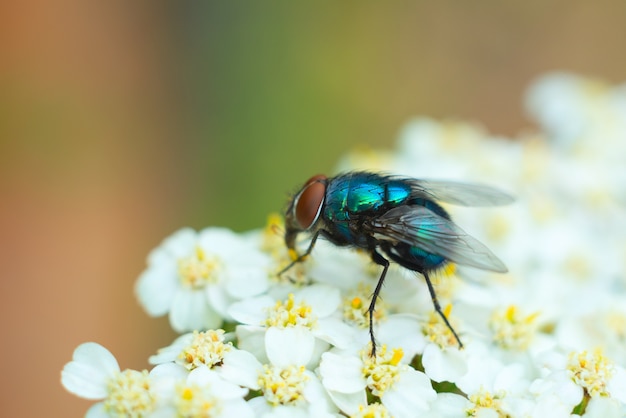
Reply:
x=122, y=122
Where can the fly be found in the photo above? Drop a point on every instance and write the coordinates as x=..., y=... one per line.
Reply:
x=392, y=218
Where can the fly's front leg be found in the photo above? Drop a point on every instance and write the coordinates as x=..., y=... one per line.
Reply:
x=299, y=258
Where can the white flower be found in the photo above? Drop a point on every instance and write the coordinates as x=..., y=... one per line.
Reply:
x=95, y=374
x=196, y=276
x=288, y=388
x=537, y=340
x=305, y=322
x=201, y=393
x=209, y=349
x=581, y=377
x=349, y=376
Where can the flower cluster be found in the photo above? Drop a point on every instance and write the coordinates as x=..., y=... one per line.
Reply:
x=548, y=338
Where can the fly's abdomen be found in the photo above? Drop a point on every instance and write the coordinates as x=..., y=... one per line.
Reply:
x=414, y=258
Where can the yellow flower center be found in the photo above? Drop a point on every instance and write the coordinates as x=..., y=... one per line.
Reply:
x=194, y=401
x=374, y=410
x=206, y=348
x=272, y=240
x=290, y=314
x=512, y=330
x=382, y=371
x=437, y=331
x=198, y=270
x=484, y=399
x=591, y=371
x=283, y=386
x=129, y=394
x=355, y=307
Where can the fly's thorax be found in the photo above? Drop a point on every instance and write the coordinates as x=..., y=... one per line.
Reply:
x=362, y=192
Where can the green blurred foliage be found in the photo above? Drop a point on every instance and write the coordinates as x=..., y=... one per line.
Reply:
x=275, y=91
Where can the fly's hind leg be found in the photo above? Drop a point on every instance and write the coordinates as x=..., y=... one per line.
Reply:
x=433, y=296
x=382, y=261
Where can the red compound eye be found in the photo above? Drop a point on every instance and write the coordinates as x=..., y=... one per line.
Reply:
x=310, y=201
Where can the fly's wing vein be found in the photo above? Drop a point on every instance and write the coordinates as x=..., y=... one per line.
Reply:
x=417, y=226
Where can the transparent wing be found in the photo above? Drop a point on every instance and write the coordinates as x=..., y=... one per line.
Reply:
x=419, y=227
x=464, y=194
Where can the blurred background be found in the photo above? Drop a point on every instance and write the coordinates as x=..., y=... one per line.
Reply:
x=121, y=122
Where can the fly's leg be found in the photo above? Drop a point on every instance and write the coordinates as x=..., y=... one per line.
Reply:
x=433, y=296
x=380, y=260
x=300, y=258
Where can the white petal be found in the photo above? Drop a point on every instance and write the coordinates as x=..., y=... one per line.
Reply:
x=549, y=406
x=203, y=376
x=246, y=281
x=449, y=405
x=279, y=411
x=252, y=339
x=87, y=375
x=320, y=348
x=171, y=352
x=318, y=399
x=260, y=406
x=191, y=311
x=617, y=385
x=219, y=300
x=342, y=373
x=169, y=371
x=511, y=379
x=165, y=377
x=289, y=346
x=239, y=409
x=600, y=407
x=348, y=402
x=403, y=331
x=180, y=244
x=155, y=289
x=242, y=368
x=222, y=242
x=251, y=311
x=323, y=299
x=97, y=411
x=443, y=365
x=335, y=331
x=410, y=396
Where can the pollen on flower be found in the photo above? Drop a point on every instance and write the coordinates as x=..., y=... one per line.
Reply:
x=374, y=410
x=355, y=307
x=578, y=265
x=497, y=227
x=205, y=348
x=512, y=330
x=617, y=323
x=290, y=314
x=198, y=270
x=383, y=370
x=195, y=401
x=283, y=386
x=437, y=331
x=129, y=394
x=445, y=281
x=591, y=371
x=484, y=399
x=272, y=240
x=296, y=274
